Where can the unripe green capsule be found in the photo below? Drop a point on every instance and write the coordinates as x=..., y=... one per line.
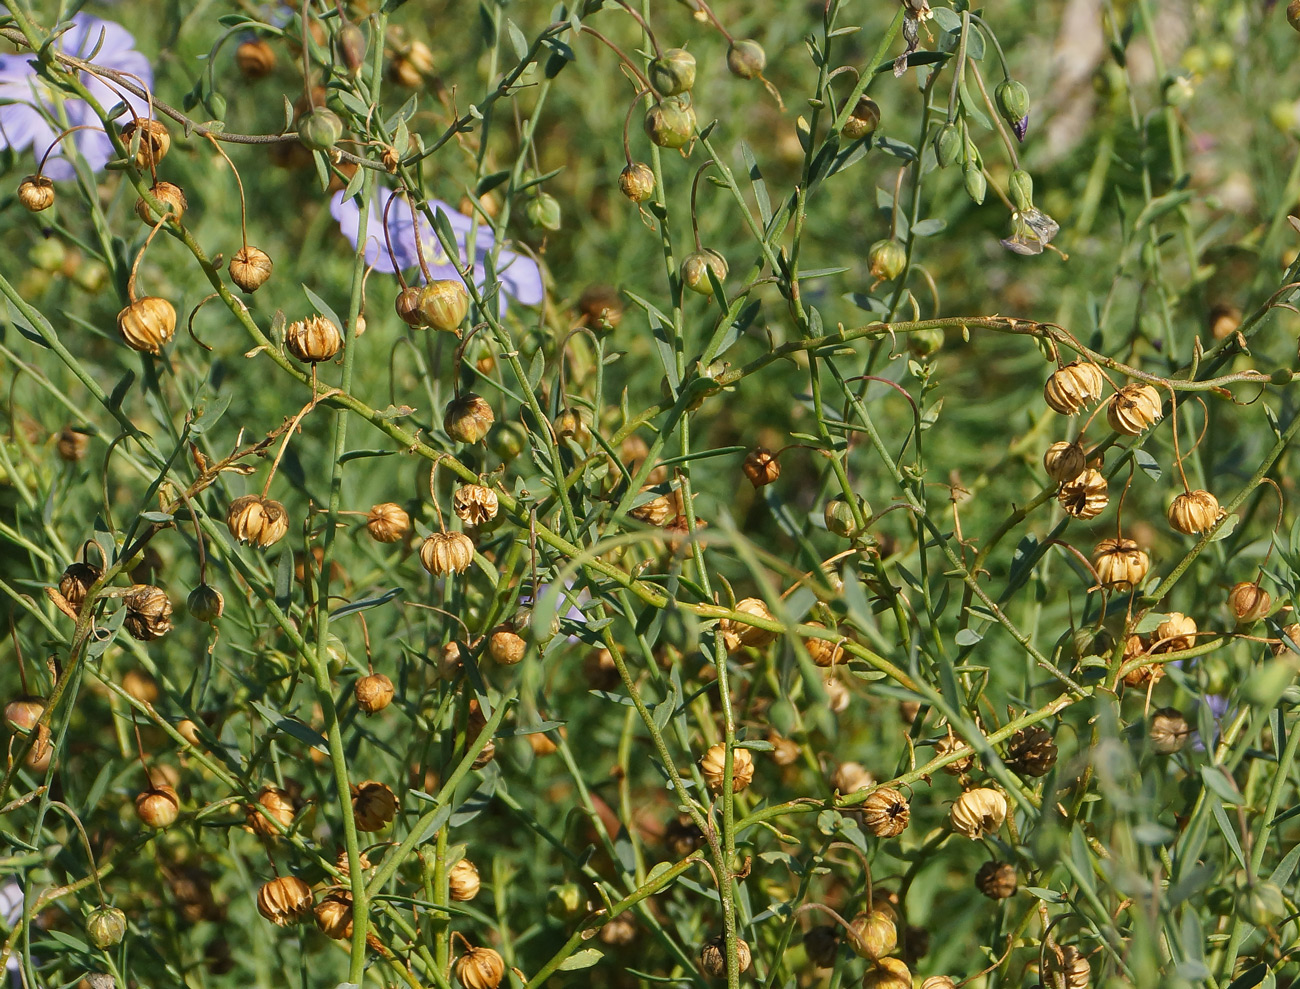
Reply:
x=1020, y=187
x=320, y=130
x=544, y=211
x=948, y=145
x=672, y=72
x=976, y=184
x=886, y=260
x=105, y=926
x=746, y=59
x=1012, y=99
x=670, y=123
x=863, y=121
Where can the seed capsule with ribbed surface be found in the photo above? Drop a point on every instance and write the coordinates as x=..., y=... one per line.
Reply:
x=205, y=603
x=996, y=880
x=1194, y=512
x=76, y=582
x=313, y=340
x=863, y=121
x=150, y=139
x=373, y=805
x=1086, y=496
x=172, y=198
x=475, y=504
x=1133, y=408
x=1120, y=564
x=885, y=812
x=1168, y=730
x=1070, y=969
x=746, y=58
x=257, y=521
x=36, y=193
x=148, y=612
x=1175, y=633
x=888, y=973
x=158, y=806
x=939, y=982
x=334, y=916
x=444, y=304
x=761, y=467
x=468, y=418
x=275, y=802
x=505, y=646
x=250, y=267
x=713, y=956
x=822, y=651
x=1064, y=461
x=463, y=881
x=1248, y=602
x=105, y=927
x=387, y=522
x=480, y=968
x=373, y=692
x=874, y=934
x=1031, y=752
x=146, y=324
x=637, y=182
x=713, y=766
x=978, y=812
x=1073, y=387
x=284, y=901
x=447, y=552
x=749, y=635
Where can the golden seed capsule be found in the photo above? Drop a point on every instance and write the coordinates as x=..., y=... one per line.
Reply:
x=1176, y=633
x=1072, y=388
x=1064, y=461
x=746, y=634
x=713, y=766
x=407, y=306
x=373, y=805
x=468, y=418
x=996, y=880
x=158, y=806
x=889, y=973
x=761, y=467
x=1249, y=602
x=505, y=647
x=978, y=812
x=23, y=714
x=656, y=511
x=695, y=271
x=1070, y=969
x=255, y=58
x=1168, y=730
x=275, y=802
x=480, y=968
x=36, y=193
x=171, y=196
x=637, y=182
x=1086, y=496
x=387, y=522
x=1120, y=564
x=373, y=692
x=151, y=145
x=334, y=916
x=823, y=652
x=250, y=267
x=474, y=504
x=863, y=121
x=1194, y=512
x=713, y=956
x=447, y=552
x=148, y=612
x=76, y=581
x=257, y=521
x=146, y=324
x=873, y=935
x=284, y=901
x=885, y=812
x=71, y=445
x=939, y=982
x=313, y=340
x=1133, y=408
x=463, y=881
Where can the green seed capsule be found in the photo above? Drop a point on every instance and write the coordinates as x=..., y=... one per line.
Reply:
x=673, y=72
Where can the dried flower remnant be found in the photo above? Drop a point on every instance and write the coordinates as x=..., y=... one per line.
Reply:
x=1032, y=230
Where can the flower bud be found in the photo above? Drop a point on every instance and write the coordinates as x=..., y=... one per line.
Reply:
x=885, y=812
x=996, y=880
x=373, y=805
x=672, y=72
x=250, y=268
x=257, y=521
x=713, y=956
x=670, y=123
x=36, y=193
x=978, y=812
x=1012, y=99
x=1120, y=564
x=1133, y=408
x=863, y=121
x=889, y=973
x=447, y=552
x=975, y=183
x=387, y=522
x=468, y=418
x=255, y=58
x=696, y=268
x=172, y=198
x=158, y=806
x=746, y=58
x=713, y=766
x=886, y=260
x=320, y=129
x=105, y=927
x=1249, y=602
x=761, y=467
x=949, y=145
x=1064, y=461
x=637, y=181
x=146, y=324
x=1072, y=388
x=1168, y=730
x=205, y=603
x=314, y=339
x=150, y=140
x=505, y=646
x=284, y=901
x=373, y=692
x=480, y=968
x=148, y=612
x=1020, y=187
x=543, y=211
x=1086, y=496
x=1194, y=512
x=462, y=881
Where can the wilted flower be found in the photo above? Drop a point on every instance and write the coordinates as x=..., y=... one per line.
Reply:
x=1031, y=231
x=519, y=276
x=28, y=104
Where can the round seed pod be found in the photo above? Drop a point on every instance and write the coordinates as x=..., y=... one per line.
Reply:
x=821, y=944
x=1140, y=676
x=1194, y=512
x=863, y=121
x=373, y=805
x=886, y=260
x=939, y=982
x=837, y=695
x=468, y=418
x=948, y=744
x=1133, y=408
x=334, y=916
x=205, y=603
x=474, y=504
x=146, y=324
x=1086, y=496
x=140, y=685
x=1070, y=969
x=71, y=445
x=149, y=138
x=761, y=467
x=76, y=581
x=24, y=713
x=255, y=58
x=713, y=956
x=746, y=58
x=1176, y=633
x=250, y=267
x=1249, y=602
x=873, y=935
x=480, y=968
x=36, y=193
x=275, y=802
x=696, y=268
x=713, y=766
x=505, y=647
x=637, y=181
x=1120, y=564
x=670, y=123
x=1072, y=388
x=444, y=304
x=838, y=516
x=1031, y=752
x=387, y=522
x=158, y=806
x=656, y=511
x=447, y=552
x=996, y=880
x=284, y=901
x=148, y=612
x=463, y=881
x=320, y=129
x=1064, y=461
x=373, y=692
x=673, y=72
x=978, y=812
x=313, y=340
x=888, y=973
x=105, y=926
x=821, y=651
x=172, y=198
x=749, y=635
x=257, y=521
x=885, y=812
x=407, y=306
x=189, y=731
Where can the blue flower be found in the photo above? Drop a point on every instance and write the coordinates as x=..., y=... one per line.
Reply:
x=30, y=103
x=519, y=275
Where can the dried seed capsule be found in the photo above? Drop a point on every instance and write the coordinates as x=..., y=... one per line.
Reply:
x=656, y=511
x=949, y=744
x=463, y=881
x=480, y=968
x=863, y=121
x=1133, y=408
x=1031, y=752
x=276, y=803
x=1120, y=564
x=1176, y=633
x=996, y=880
x=152, y=143
x=105, y=927
x=821, y=944
x=158, y=806
x=284, y=901
x=1064, y=461
x=886, y=260
x=444, y=304
x=373, y=805
x=373, y=692
x=1070, y=969
x=475, y=504
x=1194, y=512
x=205, y=603
x=505, y=647
x=36, y=193
x=888, y=973
x=313, y=340
x=255, y=58
x=823, y=652
x=334, y=916
x=713, y=956
x=407, y=306
x=1072, y=388
x=874, y=935
x=761, y=467
x=713, y=766
x=1293, y=14
x=71, y=445
x=146, y=324
x=1282, y=646
x=696, y=268
x=746, y=58
x=257, y=521
x=670, y=123
x=1086, y=496
x=447, y=552
x=140, y=685
x=468, y=418
x=76, y=581
x=939, y=982
x=148, y=612
x=1249, y=602
x=1140, y=676
x=978, y=812
x=23, y=714
x=885, y=812
x=749, y=635
x=171, y=196
x=637, y=181
x=250, y=267
x=387, y=522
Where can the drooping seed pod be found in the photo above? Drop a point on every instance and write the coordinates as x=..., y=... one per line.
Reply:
x=996, y=880
x=150, y=139
x=257, y=521
x=885, y=812
x=821, y=944
x=76, y=582
x=696, y=268
x=407, y=306
x=1031, y=752
x=837, y=694
x=189, y=731
x=480, y=968
x=146, y=324
x=670, y=123
x=1064, y=461
x=637, y=181
x=1194, y=512
x=444, y=304
x=1133, y=408
x=276, y=803
x=821, y=651
x=1012, y=99
x=387, y=522
x=24, y=713
x=250, y=267
x=978, y=812
x=158, y=806
x=761, y=467
x=475, y=504
x=713, y=766
x=447, y=552
x=105, y=926
x=172, y=198
x=1176, y=633
x=1020, y=189
x=749, y=635
x=36, y=193
x=373, y=692
x=863, y=121
x=1070, y=969
x=314, y=339
x=148, y=612
x=341, y=862
x=874, y=934
x=1120, y=564
x=1249, y=602
x=373, y=805
x=505, y=647
x=713, y=956
x=463, y=881
x=886, y=260
x=285, y=900
x=1086, y=496
x=746, y=58
x=205, y=603
x=255, y=58
x=468, y=418
x=888, y=973
x=1072, y=388
x=334, y=916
